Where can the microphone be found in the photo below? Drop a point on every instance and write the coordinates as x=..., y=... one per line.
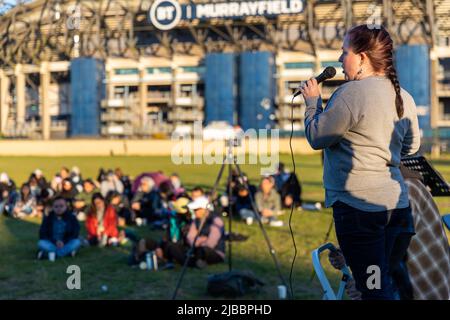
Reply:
x=328, y=73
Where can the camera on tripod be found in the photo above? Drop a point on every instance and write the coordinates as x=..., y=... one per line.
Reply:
x=233, y=142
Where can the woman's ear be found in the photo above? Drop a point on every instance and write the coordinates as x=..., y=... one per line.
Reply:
x=364, y=58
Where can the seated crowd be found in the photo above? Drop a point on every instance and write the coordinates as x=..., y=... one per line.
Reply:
x=112, y=201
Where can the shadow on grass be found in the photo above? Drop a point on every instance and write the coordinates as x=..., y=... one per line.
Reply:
x=312, y=183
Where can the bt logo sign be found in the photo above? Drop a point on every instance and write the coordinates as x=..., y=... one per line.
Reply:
x=165, y=14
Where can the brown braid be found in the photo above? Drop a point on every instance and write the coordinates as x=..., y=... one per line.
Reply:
x=391, y=73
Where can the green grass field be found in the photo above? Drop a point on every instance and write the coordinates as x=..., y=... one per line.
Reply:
x=22, y=277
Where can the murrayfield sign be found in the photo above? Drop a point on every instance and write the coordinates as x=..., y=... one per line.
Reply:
x=166, y=14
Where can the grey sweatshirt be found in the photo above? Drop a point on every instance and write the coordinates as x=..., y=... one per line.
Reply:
x=364, y=141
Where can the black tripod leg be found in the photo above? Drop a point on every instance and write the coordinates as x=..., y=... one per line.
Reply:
x=219, y=176
x=266, y=237
x=230, y=218
x=191, y=249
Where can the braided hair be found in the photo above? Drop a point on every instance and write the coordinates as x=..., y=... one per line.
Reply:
x=392, y=75
x=377, y=44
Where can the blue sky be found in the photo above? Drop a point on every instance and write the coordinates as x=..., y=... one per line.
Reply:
x=5, y=5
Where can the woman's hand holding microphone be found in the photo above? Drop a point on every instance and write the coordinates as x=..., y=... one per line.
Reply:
x=310, y=89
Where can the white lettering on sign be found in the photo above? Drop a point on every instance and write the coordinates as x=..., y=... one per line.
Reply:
x=234, y=9
x=296, y=6
x=245, y=10
x=253, y=6
x=276, y=7
x=165, y=14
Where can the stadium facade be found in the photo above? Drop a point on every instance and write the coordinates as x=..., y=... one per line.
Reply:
x=138, y=68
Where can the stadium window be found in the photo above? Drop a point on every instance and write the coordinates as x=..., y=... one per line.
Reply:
x=445, y=105
x=126, y=71
x=444, y=68
x=188, y=90
x=292, y=86
x=335, y=64
x=299, y=65
x=158, y=70
x=194, y=69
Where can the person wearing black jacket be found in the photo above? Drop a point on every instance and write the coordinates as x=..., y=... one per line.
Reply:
x=291, y=192
x=59, y=231
x=243, y=204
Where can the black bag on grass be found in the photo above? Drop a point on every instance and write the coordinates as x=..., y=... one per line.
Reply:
x=232, y=284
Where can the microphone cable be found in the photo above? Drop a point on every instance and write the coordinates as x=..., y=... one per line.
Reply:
x=293, y=203
x=328, y=73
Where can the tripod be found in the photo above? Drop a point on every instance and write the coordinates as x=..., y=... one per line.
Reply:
x=230, y=159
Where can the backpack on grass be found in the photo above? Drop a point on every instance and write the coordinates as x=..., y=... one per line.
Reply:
x=232, y=284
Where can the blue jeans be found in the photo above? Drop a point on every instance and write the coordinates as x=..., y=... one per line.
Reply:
x=246, y=213
x=48, y=246
x=399, y=232
x=7, y=205
x=373, y=239
x=3, y=207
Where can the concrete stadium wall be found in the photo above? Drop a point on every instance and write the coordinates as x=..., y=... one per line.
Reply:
x=96, y=147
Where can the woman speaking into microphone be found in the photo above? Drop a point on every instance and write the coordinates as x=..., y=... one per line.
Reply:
x=368, y=125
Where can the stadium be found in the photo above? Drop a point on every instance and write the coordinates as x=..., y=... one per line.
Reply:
x=140, y=69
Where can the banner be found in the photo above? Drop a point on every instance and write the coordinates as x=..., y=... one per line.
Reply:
x=167, y=14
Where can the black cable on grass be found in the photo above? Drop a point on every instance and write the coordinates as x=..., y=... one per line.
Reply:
x=293, y=203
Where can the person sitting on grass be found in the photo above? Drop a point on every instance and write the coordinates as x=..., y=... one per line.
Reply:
x=291, y=192
x=101, y=223
x=59, y=231
x=142, y=202
x=268, y=202
x=26, y=203
x=243, y=204
x=197, y=192
x=121, y=205
x=8, y=195
x=35, y=189
x=165, y=196
x=280, y=177
x=44, y=201
x=178, y=188
x=57, y=181
x=68, y=192
x=77, y=179
x=83, y=199
x=40, y=178
x=126, y=182
x=111, y=183
x=179, y=223
x=209, y=248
